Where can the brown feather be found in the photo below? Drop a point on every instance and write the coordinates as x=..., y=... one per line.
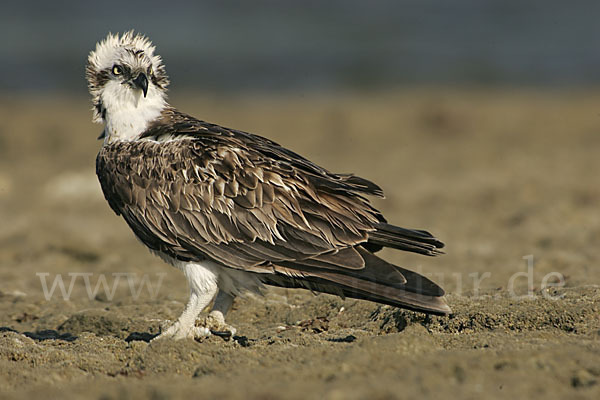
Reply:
x=248, y=203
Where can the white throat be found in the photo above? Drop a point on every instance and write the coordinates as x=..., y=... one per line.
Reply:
x=128, y=112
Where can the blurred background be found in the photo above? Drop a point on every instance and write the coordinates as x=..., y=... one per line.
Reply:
x=305, y=46
x=479, y=119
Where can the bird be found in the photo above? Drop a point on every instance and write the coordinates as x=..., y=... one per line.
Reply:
x=234, y=211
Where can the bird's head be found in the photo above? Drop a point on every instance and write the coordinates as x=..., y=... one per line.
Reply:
x=124, y=74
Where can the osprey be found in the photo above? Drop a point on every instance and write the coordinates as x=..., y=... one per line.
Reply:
x=235, y=211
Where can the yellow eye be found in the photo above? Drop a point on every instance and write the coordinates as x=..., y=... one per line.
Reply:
x=150, y=71
x=117, y=70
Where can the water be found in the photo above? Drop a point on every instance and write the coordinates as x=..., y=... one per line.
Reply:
x=312, y=45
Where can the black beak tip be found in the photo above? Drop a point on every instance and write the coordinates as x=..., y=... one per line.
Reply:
x=141, y=82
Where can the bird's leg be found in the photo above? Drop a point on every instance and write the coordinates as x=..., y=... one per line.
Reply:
x=203, y=287
x=215, y=320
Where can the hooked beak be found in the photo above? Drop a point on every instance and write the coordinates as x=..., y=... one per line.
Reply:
x=141, y=82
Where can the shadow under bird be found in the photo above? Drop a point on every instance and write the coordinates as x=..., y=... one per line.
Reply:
x=235, y=211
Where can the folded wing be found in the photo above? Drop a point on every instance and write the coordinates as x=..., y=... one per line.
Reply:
x=193, y=191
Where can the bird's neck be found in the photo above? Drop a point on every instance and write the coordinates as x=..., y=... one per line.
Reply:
x=127, y=117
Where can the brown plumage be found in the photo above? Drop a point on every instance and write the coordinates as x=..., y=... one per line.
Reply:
x=195, y=191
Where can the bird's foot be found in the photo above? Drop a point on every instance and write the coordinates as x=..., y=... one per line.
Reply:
x=178, y=331
x=215, y=324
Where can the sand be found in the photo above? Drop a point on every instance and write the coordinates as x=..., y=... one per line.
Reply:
x=508, y=179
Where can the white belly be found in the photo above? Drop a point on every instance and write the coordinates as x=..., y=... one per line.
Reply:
x=202, y=275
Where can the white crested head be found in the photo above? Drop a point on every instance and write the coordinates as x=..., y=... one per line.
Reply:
x=128, y=84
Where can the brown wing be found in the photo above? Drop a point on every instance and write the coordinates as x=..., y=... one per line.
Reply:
x=192, y=199
x=194, y=190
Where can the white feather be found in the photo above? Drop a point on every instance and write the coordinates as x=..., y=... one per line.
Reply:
x=128, y=112
x=203, y=275
x=113, y=48
x=121, y=106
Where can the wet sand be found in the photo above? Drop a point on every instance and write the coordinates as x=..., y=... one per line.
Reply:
x=507, y=179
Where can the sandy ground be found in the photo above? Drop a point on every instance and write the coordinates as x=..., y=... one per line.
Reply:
x=509, y=180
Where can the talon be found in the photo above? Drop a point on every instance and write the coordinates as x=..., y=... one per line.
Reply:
x=224, y=334
x=215, y=324
x=177, y=331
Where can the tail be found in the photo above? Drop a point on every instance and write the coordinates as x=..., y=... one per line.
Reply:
x=378, y=281
x=416, y=241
